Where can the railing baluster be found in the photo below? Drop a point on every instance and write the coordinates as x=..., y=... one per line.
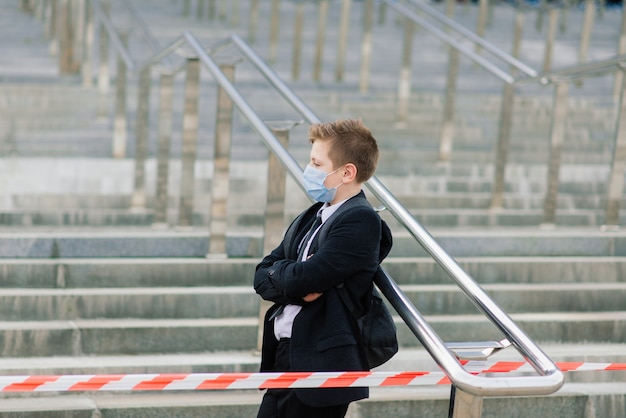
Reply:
x=104, y=74
x=254, y=20
x=366, y=46
x=190, y=138
x=502, y=147
x=404, y=81
x=138, y=201
x=221, y=167
x=343, y=40
x=585, y=35
x=618, y=165
x=447, y=127
x=166, y=94
x=88, y=51
x=557, y=136
x=297, y=41
x=274, y=31
x=120, y=123
x=481, y=21
x=322, y=16
x=551, y=33
x=621, y=49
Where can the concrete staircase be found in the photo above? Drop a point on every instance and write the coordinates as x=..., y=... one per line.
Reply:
x=40, y=122
x=110, y=295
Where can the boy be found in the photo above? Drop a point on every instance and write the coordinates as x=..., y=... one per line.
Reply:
x=309, y=328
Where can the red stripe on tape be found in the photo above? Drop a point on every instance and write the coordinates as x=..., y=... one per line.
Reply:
x=159, y=382
x=402, y=379
x=566, y=366
x=504, y=367
x=284, y=381
x=222, y=381
x=344, y=380
x=616, y=366
x=29, y=384
x=96, y=382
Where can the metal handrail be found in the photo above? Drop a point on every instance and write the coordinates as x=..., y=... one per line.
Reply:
x=114, y=36
x=472, y=36
x=577, y=71
x=550, y=377
x=443, y=36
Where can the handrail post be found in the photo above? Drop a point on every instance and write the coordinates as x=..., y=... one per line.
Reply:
x=66, y=34
x=221, y=167
x=297, y=40
x=481, y=21
x=621, y=49
x=190, y=138
x=319, y=43
x=557, y=135
x=274, y=31
x=166, y=94
x=88, y=51
x=541, y=11
x=343, y=39
x=234, y=12
x=447, y=128
x=200, y=9
x=274, y=207
x=502, y=150
x=211, y=14
x=222, y=11
x=138, y=201
x=52, y=28
x=104, y=73
x=550, y=34
x=253, y=22
x=517, y=34
x=366, y=46
x=618, y=165
x=404, y=81
x=585, y=35
x=465, y=405
x=120, y=123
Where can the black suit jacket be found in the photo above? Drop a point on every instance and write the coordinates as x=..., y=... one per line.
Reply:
x=324, y=332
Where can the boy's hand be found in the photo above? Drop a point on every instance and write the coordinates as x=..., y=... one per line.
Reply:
x=311, y=297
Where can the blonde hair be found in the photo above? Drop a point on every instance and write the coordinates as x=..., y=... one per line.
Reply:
x=350, y=142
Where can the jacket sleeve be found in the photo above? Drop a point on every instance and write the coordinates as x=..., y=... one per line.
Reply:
x=350, y=246
x=263, y=279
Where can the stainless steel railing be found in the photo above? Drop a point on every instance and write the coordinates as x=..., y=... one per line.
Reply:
x=550, y=378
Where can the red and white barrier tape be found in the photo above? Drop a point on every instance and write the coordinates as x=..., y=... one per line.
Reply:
x=219, y=381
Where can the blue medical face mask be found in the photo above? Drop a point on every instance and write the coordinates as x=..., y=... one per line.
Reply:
x=314, y=183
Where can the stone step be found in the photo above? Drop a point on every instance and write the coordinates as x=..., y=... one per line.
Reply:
x=233, y=302
x=163, y=336
x=124, y=272
x=432, y=402
x=119, y=303
x=94, y=273
x=146, y=242
x=126, y=336
x=248, y=361
x=446, y=216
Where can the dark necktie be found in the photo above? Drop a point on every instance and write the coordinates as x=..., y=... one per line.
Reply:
x=307, y=237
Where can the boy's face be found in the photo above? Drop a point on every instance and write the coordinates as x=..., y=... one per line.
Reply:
x=321, y=161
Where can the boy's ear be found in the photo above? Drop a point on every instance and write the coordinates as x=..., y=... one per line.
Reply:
x=350, y=172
